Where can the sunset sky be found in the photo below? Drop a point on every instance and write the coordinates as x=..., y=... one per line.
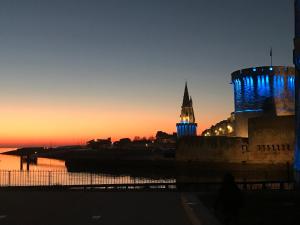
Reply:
x=77, y=70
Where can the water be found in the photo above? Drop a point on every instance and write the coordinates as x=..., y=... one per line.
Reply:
x=10, y=162
x=54, y=172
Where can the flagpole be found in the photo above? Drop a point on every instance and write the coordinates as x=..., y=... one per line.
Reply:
x=271, y=55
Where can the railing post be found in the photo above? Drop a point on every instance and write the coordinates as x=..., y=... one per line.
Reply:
x=49, y=178
x=8, y=178
x=91, y=178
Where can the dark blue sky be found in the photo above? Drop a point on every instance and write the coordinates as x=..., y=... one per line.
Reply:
x=137, y=54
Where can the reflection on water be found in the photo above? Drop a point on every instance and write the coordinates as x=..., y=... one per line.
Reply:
x=49, y=164
x=10, y=162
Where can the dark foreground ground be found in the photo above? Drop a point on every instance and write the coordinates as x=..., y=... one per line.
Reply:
x=263, y=207
x=84, y=208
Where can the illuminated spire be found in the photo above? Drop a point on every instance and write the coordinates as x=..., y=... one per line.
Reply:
x=186, y=98
x=187, y=112
x=187, y=125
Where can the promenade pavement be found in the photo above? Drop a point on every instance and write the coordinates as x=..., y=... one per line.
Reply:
x=91, y=207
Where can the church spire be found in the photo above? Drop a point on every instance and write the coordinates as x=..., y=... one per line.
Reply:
x=187, y=125
x=186, y=97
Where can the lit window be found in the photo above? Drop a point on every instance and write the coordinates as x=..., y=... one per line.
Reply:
x=230, y=129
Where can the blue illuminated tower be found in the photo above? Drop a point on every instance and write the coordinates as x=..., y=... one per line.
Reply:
x=187, y=125
x=297, y=92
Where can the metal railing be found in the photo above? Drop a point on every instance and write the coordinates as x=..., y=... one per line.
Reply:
x=245, y=186
x=267, y=185
x=63, y=178
x=33, y=178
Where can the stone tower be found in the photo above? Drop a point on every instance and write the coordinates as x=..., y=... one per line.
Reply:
x=187, y=125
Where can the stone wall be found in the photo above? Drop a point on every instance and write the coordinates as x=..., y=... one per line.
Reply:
x=271, y=141
x=212, y=149
x=241, y=122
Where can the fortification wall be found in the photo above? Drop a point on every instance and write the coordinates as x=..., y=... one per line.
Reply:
x=241, y=122
x=253, y=87
x=271, y=141
x=259, y=90
x=212, y=149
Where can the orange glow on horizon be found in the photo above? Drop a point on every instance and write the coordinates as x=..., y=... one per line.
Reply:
x=44, y=125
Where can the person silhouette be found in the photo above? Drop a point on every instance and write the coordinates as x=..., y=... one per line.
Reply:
x=229, y=200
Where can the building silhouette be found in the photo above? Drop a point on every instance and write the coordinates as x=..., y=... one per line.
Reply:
x=187, y=125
